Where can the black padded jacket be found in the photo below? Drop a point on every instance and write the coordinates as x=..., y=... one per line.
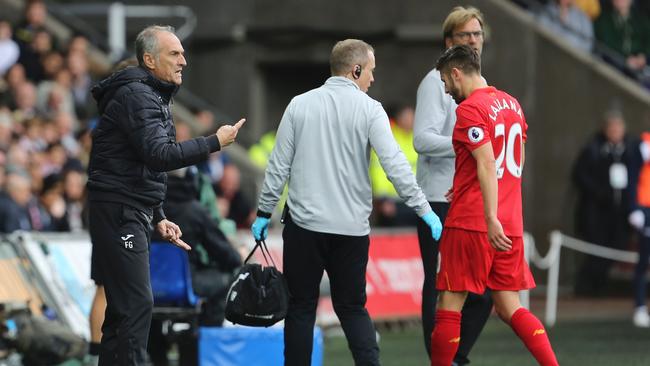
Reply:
x=134, y=142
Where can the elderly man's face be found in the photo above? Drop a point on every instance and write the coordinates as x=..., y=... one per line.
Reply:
x=168, y=65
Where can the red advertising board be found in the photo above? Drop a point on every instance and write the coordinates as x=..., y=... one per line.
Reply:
x=394, y=276
x=394, y=279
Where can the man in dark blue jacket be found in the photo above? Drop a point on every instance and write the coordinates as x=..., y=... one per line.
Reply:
x=134, y=144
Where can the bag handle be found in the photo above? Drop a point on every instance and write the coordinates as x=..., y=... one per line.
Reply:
x=265, y=252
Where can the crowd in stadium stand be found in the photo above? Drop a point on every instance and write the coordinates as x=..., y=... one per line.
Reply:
x=46, y=115
x=616, y=30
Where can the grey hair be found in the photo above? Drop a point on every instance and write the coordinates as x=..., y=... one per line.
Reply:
x=348, y=53
x=147, y=41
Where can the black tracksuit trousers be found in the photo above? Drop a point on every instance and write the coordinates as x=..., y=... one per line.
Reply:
x=121, y=235
x=306, y=255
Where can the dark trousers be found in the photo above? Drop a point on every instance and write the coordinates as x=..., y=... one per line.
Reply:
x=121, y=237
x=642, y=265
x=607, y=228
x=306, y=255
x=477, y=307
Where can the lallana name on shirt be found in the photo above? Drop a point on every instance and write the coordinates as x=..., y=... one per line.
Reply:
x=502, y=104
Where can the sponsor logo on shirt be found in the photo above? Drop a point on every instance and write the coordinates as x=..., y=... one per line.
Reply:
x=475, y=134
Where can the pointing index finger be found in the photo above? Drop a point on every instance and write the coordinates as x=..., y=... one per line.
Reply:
x=239, y=123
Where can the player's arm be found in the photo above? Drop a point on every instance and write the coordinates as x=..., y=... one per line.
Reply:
x=487, y=177
x=523, y=155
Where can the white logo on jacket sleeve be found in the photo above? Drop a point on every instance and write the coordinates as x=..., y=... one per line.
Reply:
x=475, y=134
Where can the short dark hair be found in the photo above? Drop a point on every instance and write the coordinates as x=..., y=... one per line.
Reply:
x=462, y=57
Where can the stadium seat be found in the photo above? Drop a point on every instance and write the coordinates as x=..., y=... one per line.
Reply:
x=171, y=283
x=171, y=280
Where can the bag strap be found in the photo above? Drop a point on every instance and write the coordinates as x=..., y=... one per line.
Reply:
x=265, y=252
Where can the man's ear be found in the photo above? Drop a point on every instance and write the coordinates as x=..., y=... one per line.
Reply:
x=455, y=73
x=149, y=61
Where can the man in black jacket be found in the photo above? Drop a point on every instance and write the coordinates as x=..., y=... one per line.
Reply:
x=601, y=175
x=134, y=144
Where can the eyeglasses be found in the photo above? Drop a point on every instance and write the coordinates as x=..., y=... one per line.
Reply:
x=466, y=35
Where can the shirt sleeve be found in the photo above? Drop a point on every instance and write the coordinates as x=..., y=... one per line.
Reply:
x=148, y=135
x=392, y=159
x=471, y=129
x=279, y=165
x=431, y=109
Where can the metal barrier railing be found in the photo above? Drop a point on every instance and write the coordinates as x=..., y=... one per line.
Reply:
x=551, y=262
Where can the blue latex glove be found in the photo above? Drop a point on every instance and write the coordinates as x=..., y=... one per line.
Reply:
x=433, y=221
x=260, y=228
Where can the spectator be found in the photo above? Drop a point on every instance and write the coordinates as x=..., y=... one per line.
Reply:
x=25, y=99
x=64, y=125
x=79, y=44
x=51, y=198
x=77, y=63
x=14, y=200
x=569, y=22
x=5, y=130
x=626, y=32
x=601, y=176
x=31, y=55
x=74, y=194
x=9, y=50
x=232, y=202
x=32, y=138
x=53, y=62
x=390, y=209
x=53, y=98
x=589, y=7
x=206, y=121
x=3, y=174
x=17, y=158
x=14, y=77
x=34, y=18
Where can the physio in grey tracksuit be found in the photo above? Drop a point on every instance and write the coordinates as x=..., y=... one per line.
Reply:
x=323, y=148
x=435, y=117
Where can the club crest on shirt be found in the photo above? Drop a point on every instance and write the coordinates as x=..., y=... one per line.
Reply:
x=475, y=134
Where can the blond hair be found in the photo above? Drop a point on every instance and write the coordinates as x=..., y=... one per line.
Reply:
x=459, y=16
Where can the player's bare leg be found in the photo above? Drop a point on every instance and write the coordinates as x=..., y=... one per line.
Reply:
x=446, y=333
x=97, y=311
x=506, y=303
x=526, y=325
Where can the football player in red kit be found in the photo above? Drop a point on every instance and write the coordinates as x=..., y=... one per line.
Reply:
x=482, y=243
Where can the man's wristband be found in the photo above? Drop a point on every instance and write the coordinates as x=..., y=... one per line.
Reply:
x=263, y=214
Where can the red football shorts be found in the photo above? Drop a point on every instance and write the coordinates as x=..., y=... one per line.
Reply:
x=469, y=263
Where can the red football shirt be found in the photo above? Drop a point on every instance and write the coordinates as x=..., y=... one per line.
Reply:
x=488, y=115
